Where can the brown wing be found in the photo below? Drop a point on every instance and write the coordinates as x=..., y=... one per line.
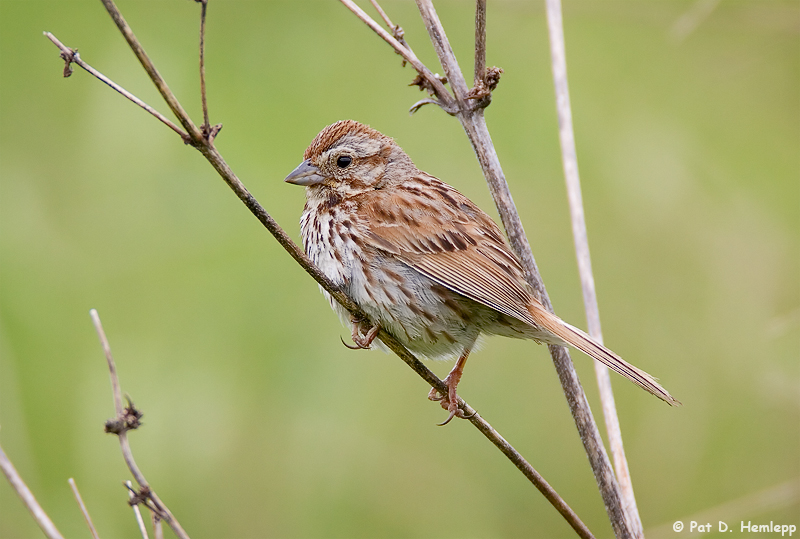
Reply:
x=436, y=230
x=439, y=232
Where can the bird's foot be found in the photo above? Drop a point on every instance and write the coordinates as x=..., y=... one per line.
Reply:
x=450, y=401
x=365, y=341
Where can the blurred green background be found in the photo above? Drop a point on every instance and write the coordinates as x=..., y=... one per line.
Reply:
x=258, y=422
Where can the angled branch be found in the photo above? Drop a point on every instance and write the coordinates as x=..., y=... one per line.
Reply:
x=397, y=31
x=432, y=83
x=71, y=56
x=25, y=494
x=82, y=507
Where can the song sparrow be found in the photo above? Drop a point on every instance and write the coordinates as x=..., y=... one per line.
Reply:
x=422, y=261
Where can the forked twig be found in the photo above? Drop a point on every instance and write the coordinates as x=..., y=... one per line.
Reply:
x=570, y=161
x=120, y=426
x=207, y=148
x=25, y=494
x=82, y=506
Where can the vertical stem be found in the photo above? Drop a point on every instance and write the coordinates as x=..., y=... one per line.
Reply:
x=480, y=42
x=206, y=123
x=570, y=162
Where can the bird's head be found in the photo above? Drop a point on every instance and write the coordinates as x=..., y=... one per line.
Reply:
x=350, y=158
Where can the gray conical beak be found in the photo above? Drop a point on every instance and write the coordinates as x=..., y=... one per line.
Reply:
x=305, y=174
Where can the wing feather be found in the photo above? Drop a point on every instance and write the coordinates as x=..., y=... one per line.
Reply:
x=427, y=230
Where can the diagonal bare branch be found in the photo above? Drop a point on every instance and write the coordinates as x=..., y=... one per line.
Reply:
x=397, y=31
x=71, y=56
x=82, y=507
x=432, y=82
x=15, y=480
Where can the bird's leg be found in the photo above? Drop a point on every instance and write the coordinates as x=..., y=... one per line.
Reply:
x=450, y=401
x=370, y=332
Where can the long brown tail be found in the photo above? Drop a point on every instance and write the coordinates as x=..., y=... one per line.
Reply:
x=592, y=348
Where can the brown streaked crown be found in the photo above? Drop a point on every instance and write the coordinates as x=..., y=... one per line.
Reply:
x=331, y=135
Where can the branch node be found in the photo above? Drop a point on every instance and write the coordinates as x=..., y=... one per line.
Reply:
x=69, y=56
x=425, y=84
x=482, y=92
x=129, y=419
x=144, y=496
x=398, y=33
x=210, y=132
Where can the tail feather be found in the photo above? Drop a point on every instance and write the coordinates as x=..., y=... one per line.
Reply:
x=583, y=342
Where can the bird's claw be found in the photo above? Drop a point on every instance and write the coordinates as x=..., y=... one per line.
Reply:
x=449, y=402
x=362, y=343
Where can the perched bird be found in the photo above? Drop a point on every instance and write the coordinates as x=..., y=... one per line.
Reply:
x=420, y=259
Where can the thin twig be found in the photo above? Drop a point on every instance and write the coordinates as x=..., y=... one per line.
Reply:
x=219, y=164
x=27, y=498
x=125, y=447
x=432, y=82
x=137, y=512
x=572, y=178
x=85, y=511
x=480, y=42
x=71, y=56
x=203, y=9
x=383, y=14
x=397, y=31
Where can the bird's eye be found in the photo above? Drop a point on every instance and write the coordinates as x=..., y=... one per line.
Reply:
x=344, y=161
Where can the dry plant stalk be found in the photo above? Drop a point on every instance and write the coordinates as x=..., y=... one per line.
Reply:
x=15, y=480
x=202, y=140
x=569, y=158
x=127, y=418
x=82, y=506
